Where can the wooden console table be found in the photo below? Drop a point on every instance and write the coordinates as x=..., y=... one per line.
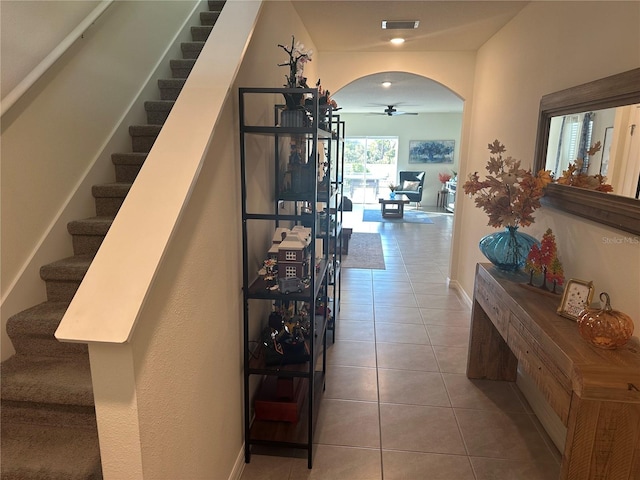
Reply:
x=595, y=392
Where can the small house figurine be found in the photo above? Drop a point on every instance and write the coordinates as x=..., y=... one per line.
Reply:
x=293, y=254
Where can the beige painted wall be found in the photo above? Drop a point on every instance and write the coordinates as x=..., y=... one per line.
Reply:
x=58, y=138
x=550, y=46
x=30, y=30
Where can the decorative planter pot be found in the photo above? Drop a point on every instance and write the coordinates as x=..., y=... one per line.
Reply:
x=293, y=118
x=507, y=249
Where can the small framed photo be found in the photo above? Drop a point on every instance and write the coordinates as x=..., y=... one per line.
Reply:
x=577, y=295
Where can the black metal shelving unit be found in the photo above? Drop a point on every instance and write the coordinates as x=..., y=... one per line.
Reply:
x=282, y=162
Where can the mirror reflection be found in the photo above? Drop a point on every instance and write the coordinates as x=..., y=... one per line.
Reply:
x=614, y=130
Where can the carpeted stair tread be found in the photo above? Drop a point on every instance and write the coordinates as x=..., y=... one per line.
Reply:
x=90, y=226
x=209, y=18
x=128, y=165
x=47, y=380
x=41, y=319
x=170, y=88
x=180, y=68
x=44, y=452
x=200, y=33
x=111, y=190
x=191, y=49
x=145, y=130
x=32, y=331
x=68, y=269
x=159, y=105
x=131, y=158
x=216, y=5
x=158, y=111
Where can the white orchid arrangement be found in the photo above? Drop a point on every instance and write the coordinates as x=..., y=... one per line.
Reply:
x=298, y=58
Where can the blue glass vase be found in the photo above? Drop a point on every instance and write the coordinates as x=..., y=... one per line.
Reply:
x=508, y=249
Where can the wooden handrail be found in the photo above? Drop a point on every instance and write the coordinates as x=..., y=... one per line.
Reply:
x=27, y=82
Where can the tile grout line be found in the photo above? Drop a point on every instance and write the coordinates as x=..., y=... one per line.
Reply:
x=375, y=348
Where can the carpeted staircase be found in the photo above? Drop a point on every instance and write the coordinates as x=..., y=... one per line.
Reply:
x=48, y=417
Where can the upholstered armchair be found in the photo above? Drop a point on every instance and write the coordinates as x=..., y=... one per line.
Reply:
x=411, y=185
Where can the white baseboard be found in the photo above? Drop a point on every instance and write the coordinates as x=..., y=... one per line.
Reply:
x=463, y=295
x=238, y=467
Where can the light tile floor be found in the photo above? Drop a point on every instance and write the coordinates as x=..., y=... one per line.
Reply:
x=397, y=404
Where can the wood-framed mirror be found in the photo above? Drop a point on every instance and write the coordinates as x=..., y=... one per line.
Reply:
x=606, y=97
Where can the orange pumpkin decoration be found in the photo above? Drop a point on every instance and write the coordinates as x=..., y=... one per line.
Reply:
x=605, y=327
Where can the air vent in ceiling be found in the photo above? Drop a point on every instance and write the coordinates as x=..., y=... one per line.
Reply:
x=400, y=24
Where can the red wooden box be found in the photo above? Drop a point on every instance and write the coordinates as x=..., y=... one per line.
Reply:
x=268, y=406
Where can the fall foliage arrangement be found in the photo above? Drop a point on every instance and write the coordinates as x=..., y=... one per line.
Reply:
x=544, y=260
x=509, y=194
x=574, y=176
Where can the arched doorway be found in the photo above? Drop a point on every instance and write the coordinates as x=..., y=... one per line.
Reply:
x=385, y=121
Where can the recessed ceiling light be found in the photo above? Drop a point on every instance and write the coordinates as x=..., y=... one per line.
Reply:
x=386, y=84
x=397, y=41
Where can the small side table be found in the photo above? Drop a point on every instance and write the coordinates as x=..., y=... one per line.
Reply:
x=442, y=198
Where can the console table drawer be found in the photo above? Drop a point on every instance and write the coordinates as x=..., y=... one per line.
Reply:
x=556, y=394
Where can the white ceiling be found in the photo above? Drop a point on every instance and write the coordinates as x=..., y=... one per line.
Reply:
x=355, y=26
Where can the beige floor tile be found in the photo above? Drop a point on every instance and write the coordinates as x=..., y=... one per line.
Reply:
x=387, y=288
x=412, y=387
x=351, y=383
x=393, y=314
x=348, y=423
x=339, y=463
x=362, y=311
x=499, y=434
x=356, y=277
x=443, y=302
x=420, y=429
x=499, y=469
x=355, y=330
x=405, y=299
x=446, y=318
x=361, y=295
x=423, y=466
x=427, y=277
x=401, y=333
x=482, y=394
x=406, y=356
x=425, y=288
x=451, y=359
x=448, y=336
x=353, y=354
x=421, y=265
x=395, y=275
x=265, y=467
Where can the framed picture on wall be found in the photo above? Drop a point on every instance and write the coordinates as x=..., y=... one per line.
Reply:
x=431, y=151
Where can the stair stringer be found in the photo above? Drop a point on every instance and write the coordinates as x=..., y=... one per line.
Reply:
x=26, y=289
x=119, y=283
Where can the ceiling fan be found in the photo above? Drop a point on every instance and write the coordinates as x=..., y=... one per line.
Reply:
x=391, y=111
